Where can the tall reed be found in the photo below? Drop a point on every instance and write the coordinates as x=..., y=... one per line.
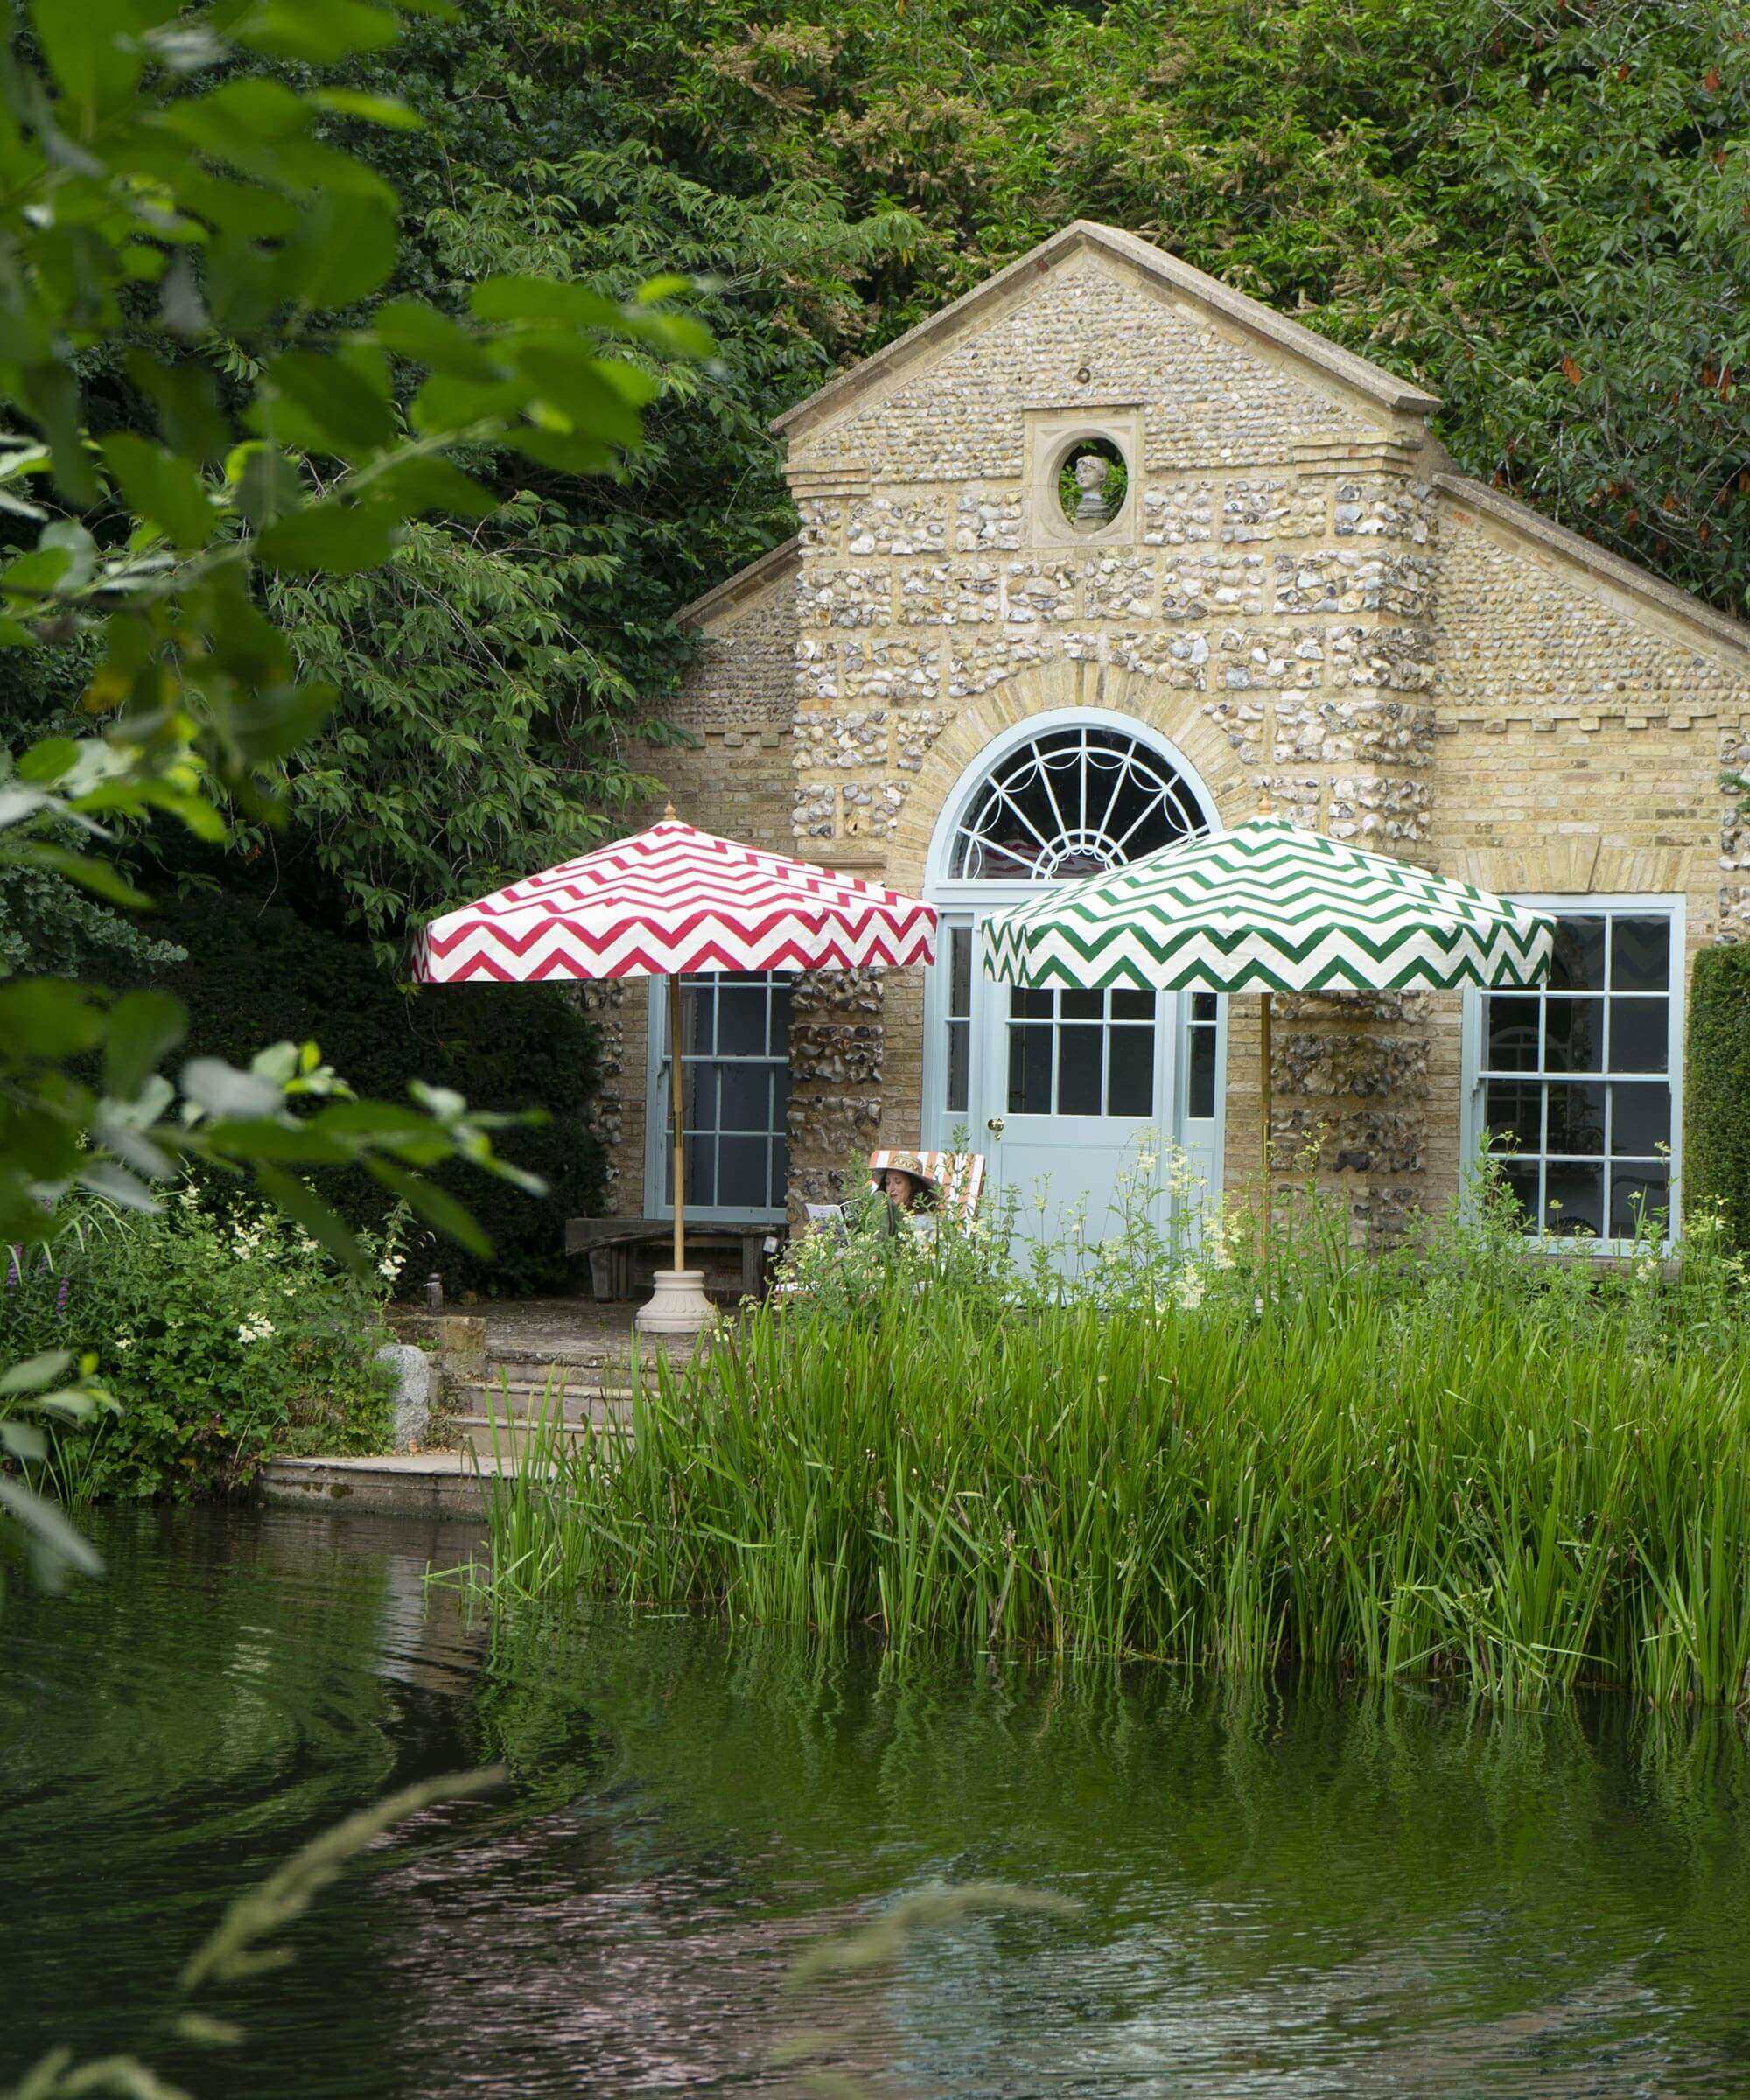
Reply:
x=1455, y=1462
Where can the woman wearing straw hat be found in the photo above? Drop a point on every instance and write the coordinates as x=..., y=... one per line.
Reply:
x=908, y=1186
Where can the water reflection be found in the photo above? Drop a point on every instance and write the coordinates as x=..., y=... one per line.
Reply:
x=1278, y=1893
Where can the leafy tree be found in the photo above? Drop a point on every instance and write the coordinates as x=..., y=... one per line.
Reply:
x=1540, y=208
x=126, y=176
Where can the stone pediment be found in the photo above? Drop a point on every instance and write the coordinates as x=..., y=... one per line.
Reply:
x=1092, y=316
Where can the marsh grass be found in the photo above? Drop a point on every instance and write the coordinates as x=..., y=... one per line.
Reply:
x=1454, y=1460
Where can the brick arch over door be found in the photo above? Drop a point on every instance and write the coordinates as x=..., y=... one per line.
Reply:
x=1045, y=689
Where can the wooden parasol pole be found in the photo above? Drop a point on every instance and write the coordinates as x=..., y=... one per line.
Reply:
x=677, y=1109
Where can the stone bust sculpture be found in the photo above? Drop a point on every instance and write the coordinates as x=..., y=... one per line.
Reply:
x=1090, y=471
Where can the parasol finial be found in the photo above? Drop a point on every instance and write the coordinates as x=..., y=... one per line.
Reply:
x=1265, y=808
x=670, y=813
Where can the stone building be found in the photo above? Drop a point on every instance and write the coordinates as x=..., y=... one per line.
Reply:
x=1096, y=556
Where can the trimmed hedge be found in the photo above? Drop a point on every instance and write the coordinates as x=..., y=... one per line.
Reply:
x=258, y=974
x=1717, y=1090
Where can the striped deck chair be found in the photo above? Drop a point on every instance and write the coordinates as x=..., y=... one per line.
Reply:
x=960, y=1176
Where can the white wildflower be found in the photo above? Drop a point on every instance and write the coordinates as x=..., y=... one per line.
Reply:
x=258, y=1329
x=1188, y=1288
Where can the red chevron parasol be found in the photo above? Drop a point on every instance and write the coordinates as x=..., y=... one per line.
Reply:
x=669, y=902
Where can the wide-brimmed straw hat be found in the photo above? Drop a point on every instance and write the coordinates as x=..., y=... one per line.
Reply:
x=903, y=1163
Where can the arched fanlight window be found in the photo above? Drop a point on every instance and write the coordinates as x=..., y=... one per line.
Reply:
x=1070, y=802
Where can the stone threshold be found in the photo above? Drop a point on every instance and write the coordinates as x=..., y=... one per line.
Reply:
x=436, y=1483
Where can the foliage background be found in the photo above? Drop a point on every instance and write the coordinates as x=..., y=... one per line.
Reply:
x=1716, y=1091
x=254, y=972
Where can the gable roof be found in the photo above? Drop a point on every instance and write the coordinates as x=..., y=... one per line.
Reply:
x=1579, y=552
x=1383, y=388
x=750, y=581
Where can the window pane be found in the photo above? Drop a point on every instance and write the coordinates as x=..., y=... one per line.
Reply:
x=741, y=1020
x=1031, y=1005
x=781, y=1095
x=1079, y=1051
x=1634, y=1190
x=1200, y=1091
x=1133, y=1006
x=959, y=1067
x=780, y=1174
x=699, y=1101
x=1576, y=1118
x=1641, y=1118
x=960, y=969
x=745, y=1097
x=1573, y=1198
x=1029, y=1070
x=1081, y=1005
x=1641, y=955
x=701, y=1168
x=1511, y=1030
x=1521, y=1177
x=1203, y=1006
x=699, y=1009
x=1130, y=1085
x=1577, y=964
x=741, y=1173
x=1573, y=1035
x=1639, y=1034
x=1512, y=1110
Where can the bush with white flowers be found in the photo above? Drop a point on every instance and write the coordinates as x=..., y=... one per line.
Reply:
x=224, y=1332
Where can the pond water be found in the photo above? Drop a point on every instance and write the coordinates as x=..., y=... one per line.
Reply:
x=1277, y=1893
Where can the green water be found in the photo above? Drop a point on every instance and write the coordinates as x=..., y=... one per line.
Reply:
x=1279, y=1893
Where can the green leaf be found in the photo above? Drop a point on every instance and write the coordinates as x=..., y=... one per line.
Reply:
x=37, y=574
x=338, y=538
x=428, y=484
x=50, y=760
x=301, y=1204
x=437, y=1208
x=343, y=251
x=162, y=488
x=97, y=876
x=55, y=1546
x=542, y=299
x=323, y=404
x=73, y=539
x=267, y=484
x=316, y=31
x=563, y=449
x=369, y=108
x=48, y=1018
x=187, y=401
x=92, y=49
x=413, y=330
x=144, y=1026
x=226, y=1093
x=35, y=1372
x=591, y=392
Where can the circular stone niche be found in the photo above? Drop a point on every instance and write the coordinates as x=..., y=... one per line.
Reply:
x=1093, y=479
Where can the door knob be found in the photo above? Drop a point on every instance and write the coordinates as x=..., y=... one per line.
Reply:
x=994, y=1125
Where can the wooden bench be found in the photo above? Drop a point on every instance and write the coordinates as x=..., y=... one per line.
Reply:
x=610, y=1243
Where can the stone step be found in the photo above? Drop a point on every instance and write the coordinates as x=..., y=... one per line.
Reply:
x=576, y=1401
x=499, y=1442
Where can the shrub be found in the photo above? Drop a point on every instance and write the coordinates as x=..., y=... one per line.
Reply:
x=258, y=972
x=224, y=1336
x=1716, y=1091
